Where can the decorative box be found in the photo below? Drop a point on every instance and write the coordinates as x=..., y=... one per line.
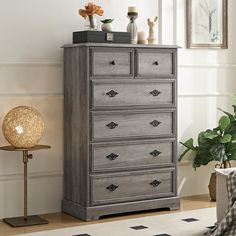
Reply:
x=101, y=37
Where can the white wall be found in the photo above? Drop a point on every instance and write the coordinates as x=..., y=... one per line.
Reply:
x=32, y=33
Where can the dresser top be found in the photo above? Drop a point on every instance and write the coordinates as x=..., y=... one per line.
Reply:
x=119, y=45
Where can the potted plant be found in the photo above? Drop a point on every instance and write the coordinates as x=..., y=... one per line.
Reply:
x=107, y=25
x=218, y=144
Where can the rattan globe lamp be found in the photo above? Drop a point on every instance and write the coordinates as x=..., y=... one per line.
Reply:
x=23, y=127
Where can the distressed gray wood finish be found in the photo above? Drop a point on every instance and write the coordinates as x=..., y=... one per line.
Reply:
x=154, y=63
x=132, y=186
x=131, y=124
x=76, y=118
x=133, y=93
x=131, y=155
x=111, y=62
x=88, y=74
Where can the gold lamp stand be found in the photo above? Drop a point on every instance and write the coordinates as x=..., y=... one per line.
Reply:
x=25, y=220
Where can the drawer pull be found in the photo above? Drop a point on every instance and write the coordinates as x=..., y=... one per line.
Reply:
x=155, y=92
x=112, y=125
x=155, y=183
x=155, y=153
x=156, y=63
x=112, y=93
x=112, y=156
x=112, y=187
x=155, y=123
x=113, y=63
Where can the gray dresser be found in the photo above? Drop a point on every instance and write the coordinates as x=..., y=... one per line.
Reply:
x=120, y=127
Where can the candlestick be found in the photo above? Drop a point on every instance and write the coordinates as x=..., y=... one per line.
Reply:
x=132, y=27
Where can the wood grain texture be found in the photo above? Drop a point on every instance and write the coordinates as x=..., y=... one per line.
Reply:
x=111, y=62
x=117, y=111
x=156, y=63
x=132, y=186
x=133, y=93
x=76, y=125
x=132, y=155
x=131, y=124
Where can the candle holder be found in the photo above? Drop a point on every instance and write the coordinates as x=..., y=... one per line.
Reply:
x=132, y=27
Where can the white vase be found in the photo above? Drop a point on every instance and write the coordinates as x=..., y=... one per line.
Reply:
x=107, y=27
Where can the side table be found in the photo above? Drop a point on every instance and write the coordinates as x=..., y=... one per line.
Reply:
x=25, y=220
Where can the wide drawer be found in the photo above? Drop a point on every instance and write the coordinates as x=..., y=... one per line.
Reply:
x=156, y=63
x=111, y=62
x=120, y=156
x=135, y=186
x=130, y=124
x=133, y=93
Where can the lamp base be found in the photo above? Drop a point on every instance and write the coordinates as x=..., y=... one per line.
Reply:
x=21, y=222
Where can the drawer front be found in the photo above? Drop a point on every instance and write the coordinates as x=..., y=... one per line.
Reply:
x=155, y=63
x=111, y=62
x=109, y=125
x=134, y=93
x=124, y=187
x=118, y=156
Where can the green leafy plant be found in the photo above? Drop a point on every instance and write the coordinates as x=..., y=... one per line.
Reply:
x=218, y=144
x=107, y=21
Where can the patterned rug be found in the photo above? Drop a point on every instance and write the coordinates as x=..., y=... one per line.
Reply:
x=188, y=223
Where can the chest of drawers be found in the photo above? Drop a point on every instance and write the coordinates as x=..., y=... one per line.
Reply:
x=120, y=129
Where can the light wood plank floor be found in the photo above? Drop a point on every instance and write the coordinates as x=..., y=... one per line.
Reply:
x=60, y=220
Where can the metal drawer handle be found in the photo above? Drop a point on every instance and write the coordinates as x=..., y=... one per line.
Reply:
x=112, y=187
x=156, y=63
x=112, y=156
x=155, y=153
x=113, y=63
x=112, y=125
x=155, y=92
x=155, y=183
x=155, y=123
x=112, y=93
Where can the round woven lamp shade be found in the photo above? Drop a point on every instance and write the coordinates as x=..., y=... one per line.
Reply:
x=23, y=127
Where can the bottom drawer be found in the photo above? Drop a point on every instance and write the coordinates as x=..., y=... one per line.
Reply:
x=132, y=186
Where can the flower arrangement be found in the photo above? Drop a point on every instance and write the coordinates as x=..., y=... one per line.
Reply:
x=88, y=13
x=91, y=9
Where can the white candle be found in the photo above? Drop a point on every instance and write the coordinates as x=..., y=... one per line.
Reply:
x=132, y=9
x=142, y=37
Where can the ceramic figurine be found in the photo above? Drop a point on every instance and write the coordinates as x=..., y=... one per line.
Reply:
x=151, y=37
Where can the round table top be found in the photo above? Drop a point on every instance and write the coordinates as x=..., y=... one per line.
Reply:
x=36, y=147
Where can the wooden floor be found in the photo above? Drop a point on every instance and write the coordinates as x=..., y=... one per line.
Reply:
x=60, y=220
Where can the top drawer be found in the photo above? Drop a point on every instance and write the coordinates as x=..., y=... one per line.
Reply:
x=111, y=62
x=156, y=62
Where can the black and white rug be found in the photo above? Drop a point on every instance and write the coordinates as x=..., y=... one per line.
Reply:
x=188, y=223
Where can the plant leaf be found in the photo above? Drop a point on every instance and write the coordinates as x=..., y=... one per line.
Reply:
x=189, y=144
x=183, y=154
x=210, y=134
x=233, y=98
x=226, y=138
x=231, y=117
x=224, y=122
x=218, y=152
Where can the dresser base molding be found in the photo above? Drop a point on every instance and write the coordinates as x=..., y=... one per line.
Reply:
x=95, y=212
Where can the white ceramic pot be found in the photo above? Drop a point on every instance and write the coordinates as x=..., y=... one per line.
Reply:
x=107, y=27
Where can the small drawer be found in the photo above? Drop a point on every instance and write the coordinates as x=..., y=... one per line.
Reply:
x=133, y=93
x=136, y=186
x=130, y=124
x=156, y=63
x=111, y=62
x=120, y=156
